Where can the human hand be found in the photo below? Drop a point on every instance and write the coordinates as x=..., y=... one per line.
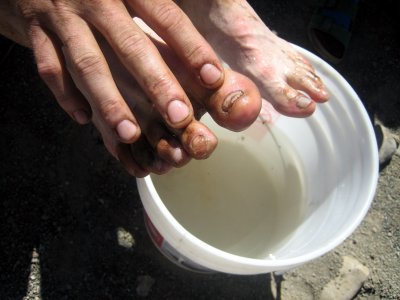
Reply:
x=234, y=105
x=62, y=34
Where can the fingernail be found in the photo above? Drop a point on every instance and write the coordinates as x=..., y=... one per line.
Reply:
x=126, y=130
x=81, y=116
x=177, y=111
x=210, y=74
x=231, y=99
x=303, y=102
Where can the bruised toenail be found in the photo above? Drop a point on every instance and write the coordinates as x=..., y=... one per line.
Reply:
x=210, y=74
x=303, y=102
x=126, y=130
x=200, y=146
x=81, y=116
x=177, y=111
x=231, y=99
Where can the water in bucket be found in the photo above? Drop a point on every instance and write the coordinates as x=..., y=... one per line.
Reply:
x=246, y=199
x=298, y=191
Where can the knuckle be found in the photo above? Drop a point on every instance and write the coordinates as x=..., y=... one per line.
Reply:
x=49, y=72
x=88, y=63
x=158, y=86
x=196, y=53
x=132, y=44
x=168, y=15
x=109, y=109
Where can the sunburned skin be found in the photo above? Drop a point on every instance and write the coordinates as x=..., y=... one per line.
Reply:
x=284, y=77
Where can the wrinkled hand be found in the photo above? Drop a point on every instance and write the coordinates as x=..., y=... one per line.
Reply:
x=62, y=34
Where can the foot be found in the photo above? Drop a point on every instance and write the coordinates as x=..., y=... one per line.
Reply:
x=235, y=106
x=285, y=78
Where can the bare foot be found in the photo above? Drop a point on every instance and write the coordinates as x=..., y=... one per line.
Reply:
x=285, y=78
x=235, y=105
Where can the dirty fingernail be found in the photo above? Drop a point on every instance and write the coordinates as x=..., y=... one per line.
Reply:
x=81, y=116
x=303, y=102
x=231, y=99
x=126, y=130
x=210, y=74
x=177, y=111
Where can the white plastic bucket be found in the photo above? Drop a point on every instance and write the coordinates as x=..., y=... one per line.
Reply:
x=337, y=154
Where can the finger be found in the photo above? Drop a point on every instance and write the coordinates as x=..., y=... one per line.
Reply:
x=143, y=61
x=124, y=155
x=52, y=70
x=162, y=140
x=176, y=29
x=145, y=156
x=92, y=76
x=235, y=105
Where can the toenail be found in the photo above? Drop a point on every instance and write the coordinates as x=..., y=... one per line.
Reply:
x=126, y=130
x=177, y=111
x=200, y=146
x=324, y=93
x=210, y=74
x=231, y=99
x=303, y=102
x=81, y=116
x=158, y=165
x=177, y=155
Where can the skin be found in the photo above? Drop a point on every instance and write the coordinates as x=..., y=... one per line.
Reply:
x=284, y=77
x=89, y=65
x=235, y=105
x=62, y=34
x=73, y=44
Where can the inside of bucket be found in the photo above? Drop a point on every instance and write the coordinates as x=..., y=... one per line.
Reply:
x=317, y=171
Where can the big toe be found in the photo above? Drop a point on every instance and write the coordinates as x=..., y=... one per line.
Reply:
x=236, y=104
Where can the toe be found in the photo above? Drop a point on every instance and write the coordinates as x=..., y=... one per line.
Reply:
x=166, y=145
x=236, y=104
x=305, y=80
x=147, y=159
x=198, y=140
x=124, y=155
x=291, y=102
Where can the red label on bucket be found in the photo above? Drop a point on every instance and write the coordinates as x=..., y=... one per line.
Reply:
x=170, y=252
x=154, y=234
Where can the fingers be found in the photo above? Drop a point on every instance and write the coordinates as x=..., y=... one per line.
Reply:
x=176, y=29
x=51, y=69
x=235, y=105
x=145, y=64
x=72, y=64
x=89, y=70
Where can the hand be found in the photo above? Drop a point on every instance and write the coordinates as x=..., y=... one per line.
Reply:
x=62, y=34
